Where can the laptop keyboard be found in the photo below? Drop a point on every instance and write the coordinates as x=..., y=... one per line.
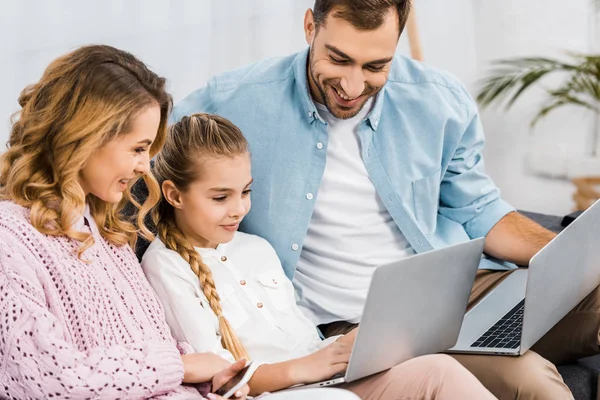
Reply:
x=506, y=333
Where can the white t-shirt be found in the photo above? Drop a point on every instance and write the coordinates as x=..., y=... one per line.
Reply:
x=350, y=233
x=256, y=297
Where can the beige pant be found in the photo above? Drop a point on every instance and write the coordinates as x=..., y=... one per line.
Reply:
x=435, y=376
x=532, y=375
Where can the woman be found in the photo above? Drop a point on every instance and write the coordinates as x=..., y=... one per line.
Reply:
x=78, y=319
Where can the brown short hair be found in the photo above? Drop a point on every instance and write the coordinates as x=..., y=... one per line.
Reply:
x=362, y=14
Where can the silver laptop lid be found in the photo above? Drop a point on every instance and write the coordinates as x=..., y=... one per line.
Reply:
x=561, y=274
x=415, y=306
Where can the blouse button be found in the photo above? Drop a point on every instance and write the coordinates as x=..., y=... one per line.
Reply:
x=223, y=258
x=259, y=305
x=242, y=282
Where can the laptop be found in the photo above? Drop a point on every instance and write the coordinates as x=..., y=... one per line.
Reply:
x=530, y=301
x=414, y=307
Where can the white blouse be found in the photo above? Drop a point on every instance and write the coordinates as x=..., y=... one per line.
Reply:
x=256, y=297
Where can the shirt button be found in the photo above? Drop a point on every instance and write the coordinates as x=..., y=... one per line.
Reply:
x=310, y=114
x=309, y=196
x=223, y=258
x=319, y=145
x=295, y=246
x=242, y=282
x=259, y=305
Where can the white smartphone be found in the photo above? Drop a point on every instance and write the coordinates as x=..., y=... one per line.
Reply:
x=237, y=382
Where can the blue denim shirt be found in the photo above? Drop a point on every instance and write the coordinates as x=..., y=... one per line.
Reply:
x=421, y=145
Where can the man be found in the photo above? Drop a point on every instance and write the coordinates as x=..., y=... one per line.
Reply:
x=361, y=158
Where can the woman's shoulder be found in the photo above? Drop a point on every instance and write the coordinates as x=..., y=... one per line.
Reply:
x=15, y=219
x=11, y=210
x=18, y=235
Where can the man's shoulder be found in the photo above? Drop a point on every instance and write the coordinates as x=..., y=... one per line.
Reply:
x=267, y=71
x=406, y=71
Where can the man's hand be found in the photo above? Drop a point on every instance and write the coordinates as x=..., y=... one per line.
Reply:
x=516, y=238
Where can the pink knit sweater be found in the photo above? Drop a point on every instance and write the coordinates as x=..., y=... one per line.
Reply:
x=71, y=329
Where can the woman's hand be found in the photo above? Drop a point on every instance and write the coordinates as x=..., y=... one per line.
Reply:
x=212, y=396
x=323, y=364
x=202, y=367
x=225, y=375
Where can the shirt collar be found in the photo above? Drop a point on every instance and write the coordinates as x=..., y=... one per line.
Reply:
x=218, y=251
x=84, y=219
x=308, y=105
x=300, y=68
x=375, y=114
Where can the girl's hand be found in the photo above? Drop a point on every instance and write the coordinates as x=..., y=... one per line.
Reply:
x=322, y=364
x=202, y=367
x=348, y=338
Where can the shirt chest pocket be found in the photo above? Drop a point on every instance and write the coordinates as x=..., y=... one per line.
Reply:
x=278, y=290
x=426, y=192
x=232, y=308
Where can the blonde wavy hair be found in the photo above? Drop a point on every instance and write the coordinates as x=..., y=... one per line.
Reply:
x=83, y=100
x=193, y=139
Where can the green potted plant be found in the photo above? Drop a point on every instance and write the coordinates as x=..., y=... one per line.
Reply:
x=509, y=79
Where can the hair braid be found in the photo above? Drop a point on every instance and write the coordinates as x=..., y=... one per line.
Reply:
x=174, y=239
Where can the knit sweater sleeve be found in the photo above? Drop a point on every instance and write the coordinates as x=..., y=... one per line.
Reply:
x=36, y=360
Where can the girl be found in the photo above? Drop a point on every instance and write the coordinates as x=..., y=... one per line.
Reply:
x=225, y=291
x=78, y=319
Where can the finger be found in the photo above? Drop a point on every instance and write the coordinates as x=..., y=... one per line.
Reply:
x=338, y=368
x=343, y=350
x=239, y=365
x=342, y=346
x=341, y=358
x=232, y=369
x=227, y=373
x=243, y=392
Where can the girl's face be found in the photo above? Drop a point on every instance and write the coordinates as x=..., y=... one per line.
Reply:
x=209, y=212
x=110, y=170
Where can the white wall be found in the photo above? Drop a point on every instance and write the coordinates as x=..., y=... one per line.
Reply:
x=189, y=40
x=516, y=28
x=186, y=41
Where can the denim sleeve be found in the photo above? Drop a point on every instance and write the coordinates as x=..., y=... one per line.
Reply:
x=468, y=195
x=197, y=101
